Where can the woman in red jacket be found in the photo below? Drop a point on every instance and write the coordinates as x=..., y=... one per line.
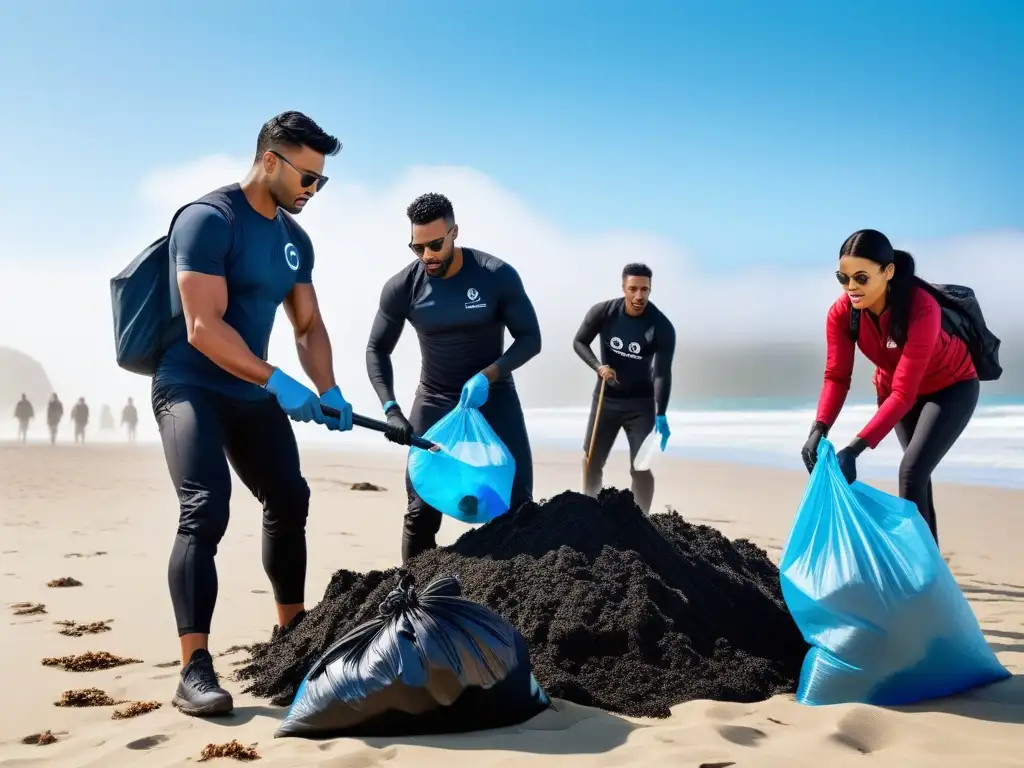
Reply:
x=925, y=379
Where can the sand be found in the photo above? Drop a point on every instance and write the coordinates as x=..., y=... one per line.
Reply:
x=105, y=516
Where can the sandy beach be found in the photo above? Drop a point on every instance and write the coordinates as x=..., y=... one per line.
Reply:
x=105, y=516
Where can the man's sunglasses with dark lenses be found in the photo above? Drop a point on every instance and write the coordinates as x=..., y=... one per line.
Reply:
x=434, y=245
x=306, y=179
x=859, y=279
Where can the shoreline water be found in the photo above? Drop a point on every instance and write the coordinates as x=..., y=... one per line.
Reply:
x=989, y=453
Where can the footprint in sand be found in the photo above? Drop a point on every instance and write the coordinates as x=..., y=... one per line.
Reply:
x=864, y=730
x=741, y=735
x=148, y=742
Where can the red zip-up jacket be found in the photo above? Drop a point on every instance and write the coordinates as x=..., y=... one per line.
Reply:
x=931, y=360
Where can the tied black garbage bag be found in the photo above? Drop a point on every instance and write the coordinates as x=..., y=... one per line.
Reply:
x=432, y=662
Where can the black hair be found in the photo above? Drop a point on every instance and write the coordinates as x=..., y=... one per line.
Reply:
x=431, y=207
x=636, y=269
x=294, y=129
x=872, y=245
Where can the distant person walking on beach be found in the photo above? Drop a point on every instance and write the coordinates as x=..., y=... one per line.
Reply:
x=80, y=418
x=925, y=377
x=24, y=413
x=460, y=302
x=130, y=418
x=54, y=413
x=239, y=256
x=637, y=346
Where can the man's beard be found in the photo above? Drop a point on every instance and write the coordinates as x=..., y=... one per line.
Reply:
x=443, y=265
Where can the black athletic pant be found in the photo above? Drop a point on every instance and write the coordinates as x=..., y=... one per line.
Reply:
x=201, y=432
x=636, y=417
x=926, y=434
x=505, y=415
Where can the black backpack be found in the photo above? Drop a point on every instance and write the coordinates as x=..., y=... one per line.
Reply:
x=961, y=317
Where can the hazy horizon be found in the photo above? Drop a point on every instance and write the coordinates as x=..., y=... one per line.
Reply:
x=742, y=333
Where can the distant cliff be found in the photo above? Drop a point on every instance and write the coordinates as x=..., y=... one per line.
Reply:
x=19, y=374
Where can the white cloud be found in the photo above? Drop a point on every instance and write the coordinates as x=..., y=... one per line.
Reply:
x=61, y=315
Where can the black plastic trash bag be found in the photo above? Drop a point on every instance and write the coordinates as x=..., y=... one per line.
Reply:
x=433, y=662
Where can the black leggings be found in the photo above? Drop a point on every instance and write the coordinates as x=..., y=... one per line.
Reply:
x=201, y=432
x=636, y=418
x=926, y=434
x=505, y=415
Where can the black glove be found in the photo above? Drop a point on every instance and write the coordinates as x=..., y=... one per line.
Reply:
x=809, y=452
x=848, y=464
x=847, y=459
x=399, y=429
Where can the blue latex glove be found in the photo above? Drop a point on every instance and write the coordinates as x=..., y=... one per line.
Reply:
x=295, y=399
x=474, y=391
x=333, y=398
x=661, y=426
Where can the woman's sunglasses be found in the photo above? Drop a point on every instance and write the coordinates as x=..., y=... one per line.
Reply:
x=306, y=178
x=859, y=278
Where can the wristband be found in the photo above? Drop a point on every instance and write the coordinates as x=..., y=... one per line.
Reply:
x=389, y=405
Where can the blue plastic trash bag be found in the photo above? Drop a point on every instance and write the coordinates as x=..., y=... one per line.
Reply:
x=432, y=662
x=470, y=478
x=869, y=590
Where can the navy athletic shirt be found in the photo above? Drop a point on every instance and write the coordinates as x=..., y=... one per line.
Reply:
x=460, y=322
x=638, y=349
x=270, y=259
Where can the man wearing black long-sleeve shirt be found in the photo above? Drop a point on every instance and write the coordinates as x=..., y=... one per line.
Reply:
x=460, y=302
x=637, y=346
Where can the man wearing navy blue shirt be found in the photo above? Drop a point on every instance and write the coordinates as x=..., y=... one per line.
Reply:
x=218, y=401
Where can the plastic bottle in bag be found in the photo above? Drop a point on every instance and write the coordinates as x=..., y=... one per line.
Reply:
x=432, y=662
x=470, y=478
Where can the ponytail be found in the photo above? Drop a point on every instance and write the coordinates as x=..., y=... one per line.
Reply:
x=901, y=293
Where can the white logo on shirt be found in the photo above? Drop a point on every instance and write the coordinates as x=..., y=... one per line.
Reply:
x=890, y=344
x=616, y=344
x=473, y=294
x=474, y=299
x=291, y=257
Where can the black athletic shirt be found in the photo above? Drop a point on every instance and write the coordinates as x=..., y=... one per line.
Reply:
x=638, y=349
x=460, y=322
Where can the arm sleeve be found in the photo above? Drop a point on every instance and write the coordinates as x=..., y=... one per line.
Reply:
x=201, y=241
x=384, y=335
x=586, y=334
x=923, y=328
x=307, y=258
x=521, y=321
x=838, y=364
x=666, y=341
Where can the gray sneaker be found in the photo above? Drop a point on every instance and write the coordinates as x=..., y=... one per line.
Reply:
x=199, y=693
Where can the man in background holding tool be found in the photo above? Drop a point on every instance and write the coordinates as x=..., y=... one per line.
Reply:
x=635, y=370
x=460, y=302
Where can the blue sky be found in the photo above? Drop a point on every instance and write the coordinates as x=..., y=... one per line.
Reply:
x=747, y=131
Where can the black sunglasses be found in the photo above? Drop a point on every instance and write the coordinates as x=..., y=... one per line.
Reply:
x=434, y=245
x=306, y=178
x=859, y=278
